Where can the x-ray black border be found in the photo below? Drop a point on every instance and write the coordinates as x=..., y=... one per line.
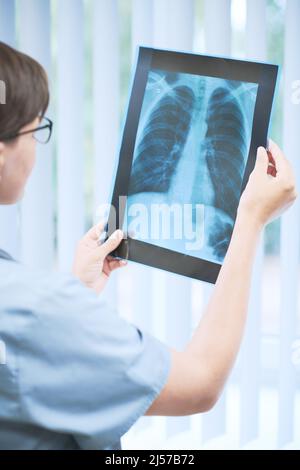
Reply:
x=264, y=75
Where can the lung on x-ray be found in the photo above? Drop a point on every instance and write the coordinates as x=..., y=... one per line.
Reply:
x=192, y=129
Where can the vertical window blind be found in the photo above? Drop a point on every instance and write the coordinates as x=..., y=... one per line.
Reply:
x=88, y=49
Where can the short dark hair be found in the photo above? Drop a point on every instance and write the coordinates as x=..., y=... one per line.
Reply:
x=26, y=90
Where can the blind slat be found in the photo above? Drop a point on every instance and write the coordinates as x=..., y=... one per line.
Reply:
x=217, y=26
x=142, y=24
x=106, y=101
x=37, y=234
x=7, y=22
x=217, y=17
x=250, y=352
x=290, y=228
x=142, y=34
x=70, y=128
x=173, y=28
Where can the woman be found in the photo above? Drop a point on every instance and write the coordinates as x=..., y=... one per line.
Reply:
x=76, y=374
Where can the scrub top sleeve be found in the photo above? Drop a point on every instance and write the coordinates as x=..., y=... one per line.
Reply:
x=83, y=369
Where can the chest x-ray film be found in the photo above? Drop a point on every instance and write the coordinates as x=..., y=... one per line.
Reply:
x=191, y=132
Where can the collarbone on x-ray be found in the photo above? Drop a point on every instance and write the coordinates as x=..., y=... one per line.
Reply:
x=191, y=148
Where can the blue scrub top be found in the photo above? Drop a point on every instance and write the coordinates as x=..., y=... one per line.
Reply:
x=77, y=375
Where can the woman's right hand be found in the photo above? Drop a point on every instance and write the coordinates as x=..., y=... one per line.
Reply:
x=266, y=195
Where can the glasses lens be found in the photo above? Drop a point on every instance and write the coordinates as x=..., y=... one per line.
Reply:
x=42, y=135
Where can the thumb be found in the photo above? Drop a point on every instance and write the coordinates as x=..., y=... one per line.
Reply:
x=112, y=242
x=262, y=160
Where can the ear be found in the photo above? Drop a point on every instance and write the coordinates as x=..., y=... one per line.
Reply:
x=2, y=160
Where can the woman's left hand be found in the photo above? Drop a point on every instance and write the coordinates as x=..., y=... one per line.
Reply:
x=92, y=263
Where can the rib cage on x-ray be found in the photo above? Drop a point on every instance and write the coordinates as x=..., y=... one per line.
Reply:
x=163, y=139
x=222, y=147
x=226, y=138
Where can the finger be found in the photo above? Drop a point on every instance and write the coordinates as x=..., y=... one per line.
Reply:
x=116, y=263
x=272, y=171
x=110, y=258
x=281, y=163
x=95, y=232
x=111, y=243
x=262, y=160
x=271, y=159
x=271, y=168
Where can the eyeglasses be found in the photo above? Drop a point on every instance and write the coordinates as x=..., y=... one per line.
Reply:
x=41, y=134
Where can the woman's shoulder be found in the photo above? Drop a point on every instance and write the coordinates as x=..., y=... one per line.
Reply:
x=39, y=290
